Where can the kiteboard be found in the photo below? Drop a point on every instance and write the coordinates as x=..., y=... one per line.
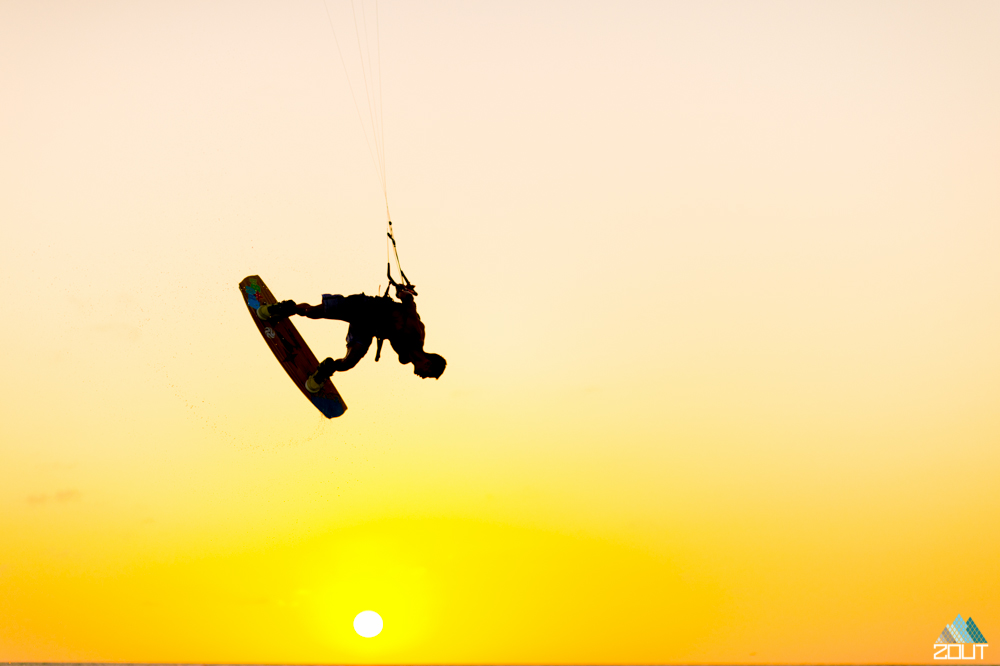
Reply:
x=289, y=348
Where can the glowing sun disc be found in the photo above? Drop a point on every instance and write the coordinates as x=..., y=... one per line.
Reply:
x=368, y=624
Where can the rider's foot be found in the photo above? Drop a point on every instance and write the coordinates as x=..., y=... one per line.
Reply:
x=316, y=380
x=277, y=310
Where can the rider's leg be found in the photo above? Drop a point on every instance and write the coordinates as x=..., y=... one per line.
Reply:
x=355, y=352
x=354, y=308
x=312, y=311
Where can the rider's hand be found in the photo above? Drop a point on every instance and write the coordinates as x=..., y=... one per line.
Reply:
x=405, y=290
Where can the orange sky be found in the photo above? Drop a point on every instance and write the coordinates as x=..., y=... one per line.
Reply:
x=716, y=283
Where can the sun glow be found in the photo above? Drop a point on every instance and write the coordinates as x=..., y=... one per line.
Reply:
x=368, y=624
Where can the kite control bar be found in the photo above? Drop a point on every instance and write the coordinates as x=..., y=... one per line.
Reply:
x=409, y=286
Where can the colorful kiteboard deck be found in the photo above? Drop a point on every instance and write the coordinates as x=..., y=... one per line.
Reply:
x=289, y=348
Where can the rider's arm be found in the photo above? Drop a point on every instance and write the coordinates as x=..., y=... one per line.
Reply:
x=405, y=295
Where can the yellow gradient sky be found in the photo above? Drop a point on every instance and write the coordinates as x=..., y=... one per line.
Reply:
x=718, y=284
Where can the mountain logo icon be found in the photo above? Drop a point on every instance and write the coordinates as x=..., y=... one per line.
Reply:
x=952, y=641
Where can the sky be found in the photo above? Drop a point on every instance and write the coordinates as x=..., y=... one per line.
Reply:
x=717, y=283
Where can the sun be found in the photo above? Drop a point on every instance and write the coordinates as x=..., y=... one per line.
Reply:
x=368, y=624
